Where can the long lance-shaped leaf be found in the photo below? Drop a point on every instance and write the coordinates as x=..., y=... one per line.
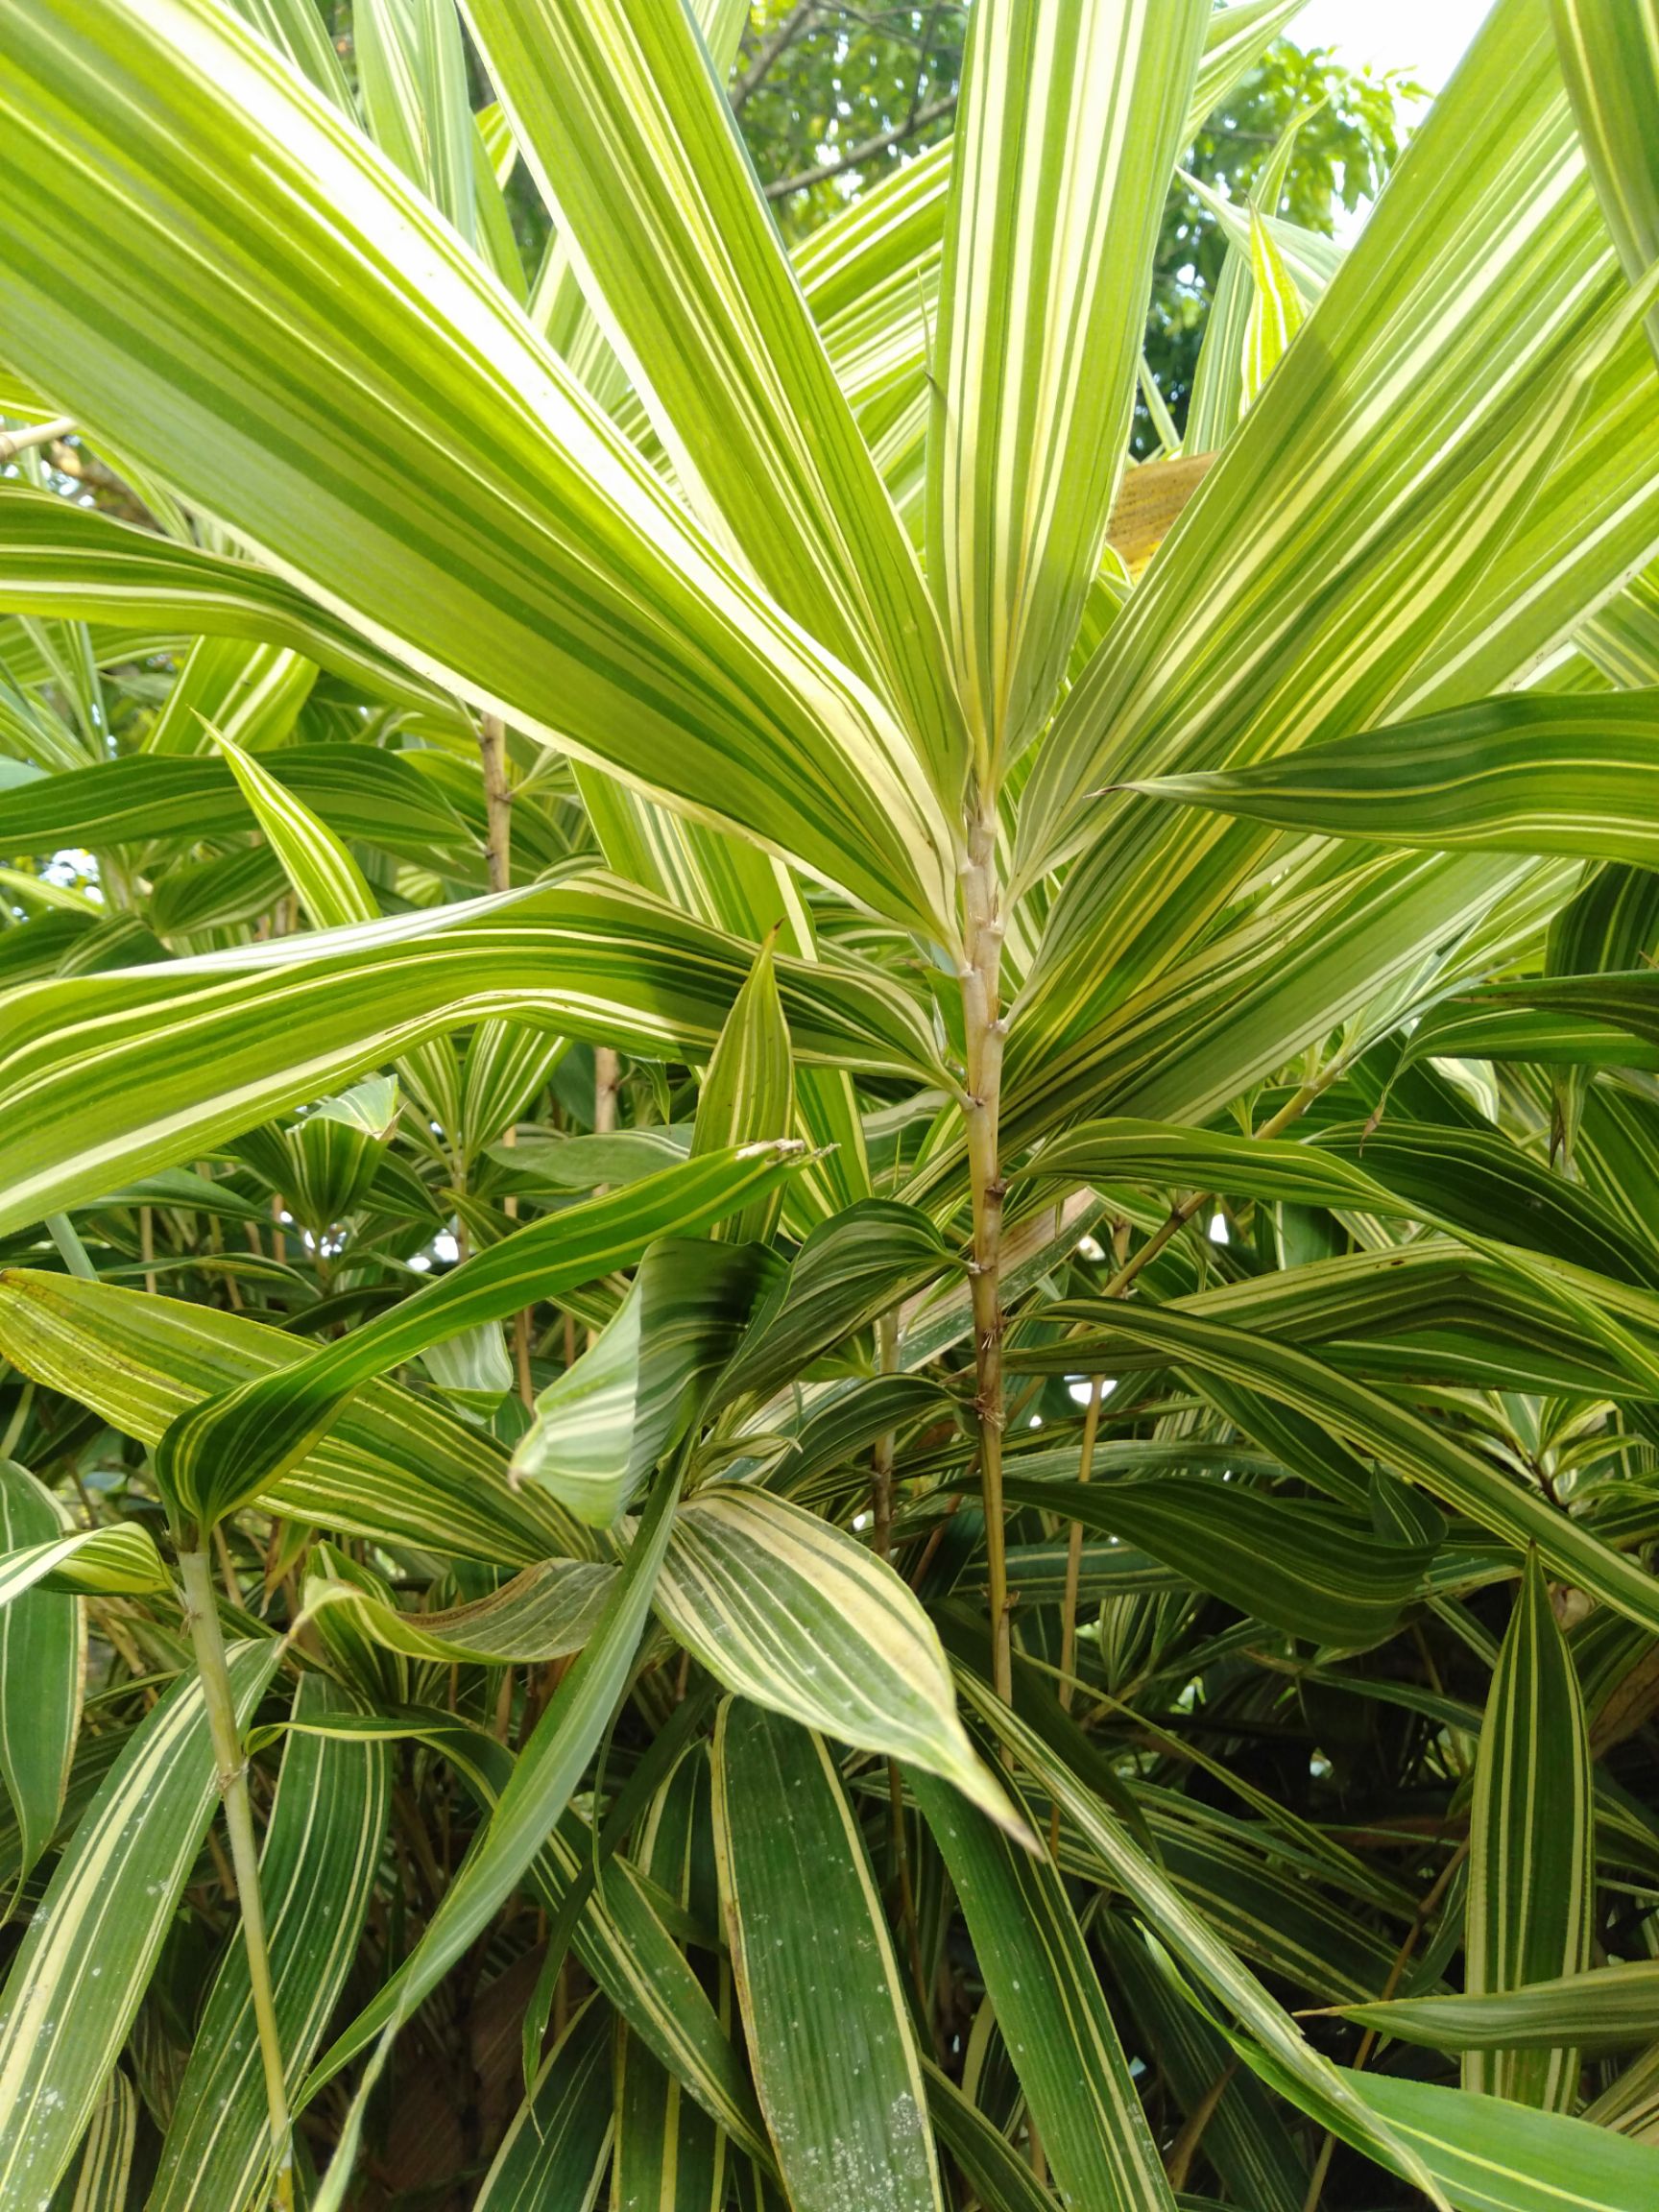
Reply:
x=328, y=882
x=1049, y=2005
x=1308, y=2079
x=80, y=1976
x=1070, y=127
x=250, y=694
x=1609, y=53
x=374, y=796
x=117, y=1558
x=1360, y=425
x=1569, y=775
x=793, y=1614
x=42, y=1638
x=1245, y=2137
x=899, y=223
x=1305, y=1572
x=447, y=487
x=1509, y=1321
x=535, y=1794
x=545, y=1612
x=316, y=1877
x=620, y=117
x=72, y=562
x=1451, y=1179
x=100, y=2180
x=553, y=2157
x=1000, y=2174
x=748, y=1093
x=1613, y=2009
x=397, y=1469
x=294, y=29
x=1371, y=1423
x=1547, y=1017
x=1489, y=2155
x=1532, y=1843
x=1360, y=411
x=331, y=887
x=225, y=1451
x=829, y=2033
x=669, y=2158
x=412, y=78
x=619, y=1936
x=607, y=1418
x=170, y=1060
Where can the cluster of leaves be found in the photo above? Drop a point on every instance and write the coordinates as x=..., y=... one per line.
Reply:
x=825, y=1382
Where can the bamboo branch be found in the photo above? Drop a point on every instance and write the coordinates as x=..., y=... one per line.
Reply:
x=16, y=442
x=202, y=1617
x=984, y=1032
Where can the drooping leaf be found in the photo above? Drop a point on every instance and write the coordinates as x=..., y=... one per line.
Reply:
x=791, y=1613
x=223, y=1450
x=78, y=1977
x=829, y=2033
x=552, y=2158
x=1051, y=2011
x=317, y=1874
x=42, y=1658
x=605, y=1421
x=1532, y=1845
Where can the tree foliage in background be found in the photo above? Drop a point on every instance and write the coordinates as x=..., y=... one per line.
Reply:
x=828, y=1224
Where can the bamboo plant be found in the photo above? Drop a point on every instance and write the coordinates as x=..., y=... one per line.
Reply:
x=829, y=1236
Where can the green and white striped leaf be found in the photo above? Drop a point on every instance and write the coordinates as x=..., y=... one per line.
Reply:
x=1003, y=2179
x=1490, y=2156
x=42, y=1653
x=359, y=792
x=328, y=880
x=747, y=1093
x=251, y=694
x=412, y=80
x=788, y=1611
x=829, y=2034
x=116, y=1558
x=222, y=1452
x=1069, y=124
x=1052, y=2014
x=553, y=2157
x=530, y=556
x=1613, y=2009
x=170, y=1060
x=604, y=1422
x=1609, y=53
x=851, y=1269
x=534, y=1796
x=1529, y=774
x=621, y=119
x=317, y=1874
x=1453, y=1179
x=71, y=562
x=1276, y=310
x=1298, y=1566
x=670, y=2158
x=397, y=1469
x=76, y=1983
x=1428, y=1455
x=1532, y=1843
x=1304, y=2074
x=100, y=2180
x=544, y=1612
x=1218, y=657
